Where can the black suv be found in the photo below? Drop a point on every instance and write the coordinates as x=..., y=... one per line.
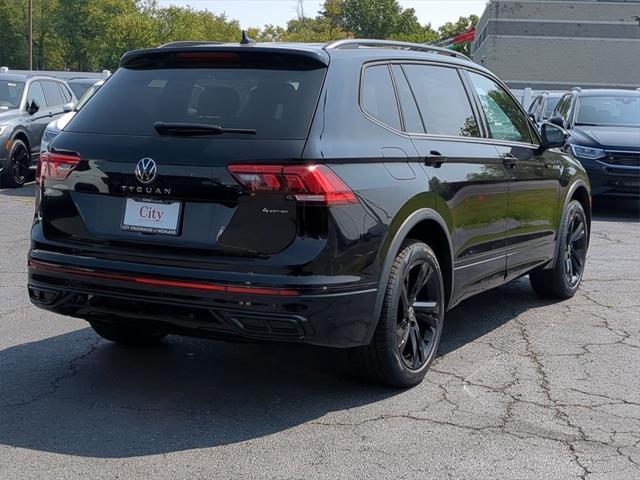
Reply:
x=27, y=104
x=344, y=195
x=604, y=127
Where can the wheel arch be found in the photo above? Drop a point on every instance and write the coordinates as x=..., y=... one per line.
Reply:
x=581, y=194
x=22, y=136
x=579, y=191
x=428, y=226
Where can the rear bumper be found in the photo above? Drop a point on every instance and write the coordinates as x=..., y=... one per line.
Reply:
x=336, y=315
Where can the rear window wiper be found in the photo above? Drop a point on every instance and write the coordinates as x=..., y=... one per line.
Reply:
x=196, y=129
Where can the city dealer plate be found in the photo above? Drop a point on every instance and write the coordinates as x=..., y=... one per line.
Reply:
x=150, y=216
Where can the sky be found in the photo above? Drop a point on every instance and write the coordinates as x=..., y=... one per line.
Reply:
x=256, y=13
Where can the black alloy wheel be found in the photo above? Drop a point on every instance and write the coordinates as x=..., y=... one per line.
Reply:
x=418, y=314
x=408, y=332
x=17, y=169
x=575, y=250
x=562, y=279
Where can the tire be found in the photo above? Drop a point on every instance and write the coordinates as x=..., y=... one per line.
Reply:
x=563, y=280
x=126, y=335
x=16, y=172
x=399, y=355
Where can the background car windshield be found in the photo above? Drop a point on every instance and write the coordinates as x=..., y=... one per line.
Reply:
x=609, y=110
x=278, y=104
x=10, y=94
x=550, y=107
x=87, y=95
x=78, y=88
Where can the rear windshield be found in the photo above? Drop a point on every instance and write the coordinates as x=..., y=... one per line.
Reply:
x=278, y=103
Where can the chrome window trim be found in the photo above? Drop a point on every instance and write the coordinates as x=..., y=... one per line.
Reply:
x=458, y=138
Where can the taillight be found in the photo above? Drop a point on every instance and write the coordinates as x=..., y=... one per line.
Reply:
x=313, y=184
x=55, y=166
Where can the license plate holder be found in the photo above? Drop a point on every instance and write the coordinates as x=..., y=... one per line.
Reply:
x=161, y=217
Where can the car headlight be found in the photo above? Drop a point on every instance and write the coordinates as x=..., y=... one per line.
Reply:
x=587, y=152
x=3, y=128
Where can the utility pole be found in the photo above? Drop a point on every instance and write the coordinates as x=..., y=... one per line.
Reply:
x=30, y=34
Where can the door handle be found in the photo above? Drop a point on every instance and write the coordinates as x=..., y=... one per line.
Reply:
x=509, y=160
x=434, y=159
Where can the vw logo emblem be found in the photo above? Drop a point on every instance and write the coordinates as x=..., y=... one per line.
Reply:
x=146, y=170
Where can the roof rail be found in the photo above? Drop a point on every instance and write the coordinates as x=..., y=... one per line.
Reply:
x=417, y=47
x=189, y=43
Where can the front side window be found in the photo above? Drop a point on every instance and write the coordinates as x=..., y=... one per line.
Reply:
x=506, y=120
x=378, y=96
x=550, y=107
x=609, y=110
x=66, y=95
x=563, y=107
x=10, y=94
x=36, y=93
x=442, y=100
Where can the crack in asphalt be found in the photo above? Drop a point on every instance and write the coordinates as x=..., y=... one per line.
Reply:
x=54, y=385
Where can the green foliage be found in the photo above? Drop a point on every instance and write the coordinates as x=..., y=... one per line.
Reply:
x=92, y=35
x=451, y=29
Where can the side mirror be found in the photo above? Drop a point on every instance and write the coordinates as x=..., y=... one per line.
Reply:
x=68, y=107
x=33, y=107
x=533, y=117
x=553, y=136
x=557, y=120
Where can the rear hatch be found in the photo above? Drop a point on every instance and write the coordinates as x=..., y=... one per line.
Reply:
x=147, y=160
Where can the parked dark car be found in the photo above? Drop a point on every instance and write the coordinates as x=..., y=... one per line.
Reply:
x=604, y=127
x=27, y=104
x=542, y=107
x=80, y=85
x=344, y=195
x=56, y=126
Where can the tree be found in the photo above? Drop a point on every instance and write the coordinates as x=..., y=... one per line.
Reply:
x=451, y=29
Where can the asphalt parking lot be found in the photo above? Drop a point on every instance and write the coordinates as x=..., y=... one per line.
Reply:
x=523, y=388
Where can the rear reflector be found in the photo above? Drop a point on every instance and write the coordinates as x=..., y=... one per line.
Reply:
x=313, y=184
x=211, y=287
x=56, y=166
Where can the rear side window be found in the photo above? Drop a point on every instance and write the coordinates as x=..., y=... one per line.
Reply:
x=410, y=113
x=506, y=120
x=278, y=103
x=378, y=96
x=534, y=105
x=52, y=93
x=442, y=100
